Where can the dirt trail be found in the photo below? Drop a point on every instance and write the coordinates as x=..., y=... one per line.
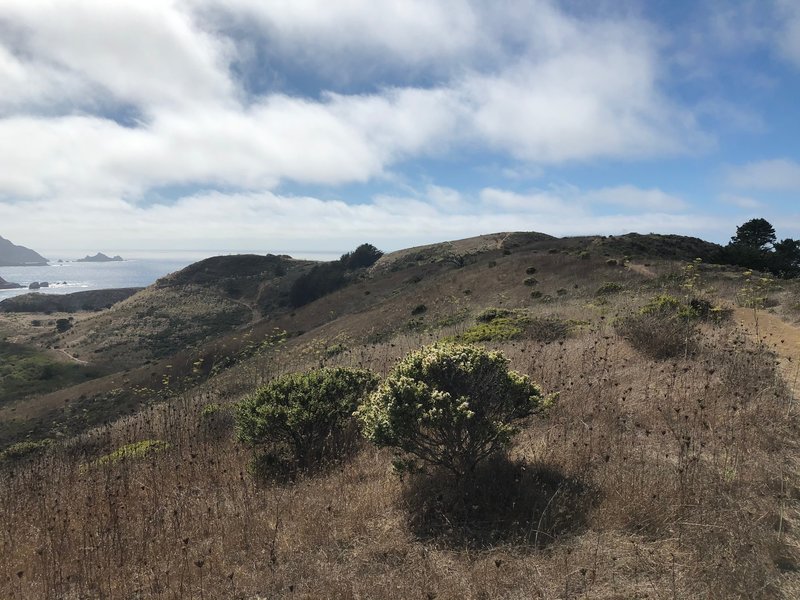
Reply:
x=778, y=335
x=784, y=339
x=641, y=269
x=74, y=358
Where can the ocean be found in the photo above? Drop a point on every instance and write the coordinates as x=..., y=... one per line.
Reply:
x=69, y=276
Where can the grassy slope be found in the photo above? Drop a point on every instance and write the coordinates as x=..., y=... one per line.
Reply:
x=658, y=478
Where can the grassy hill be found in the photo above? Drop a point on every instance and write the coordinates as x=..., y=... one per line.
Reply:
x=665, y=469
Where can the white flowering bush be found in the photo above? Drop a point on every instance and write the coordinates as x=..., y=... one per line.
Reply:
x=449, y=405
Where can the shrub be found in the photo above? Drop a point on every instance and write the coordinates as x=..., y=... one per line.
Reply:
x=490, y=314
x=132, y=451
x=530, y=281
x=449, y=405
x=607, y=288
x=662, y=328
x=63, y=325
x=307, y=413
x=22, y=450
x=499, y=329
x=530, y=270
x=419, y=309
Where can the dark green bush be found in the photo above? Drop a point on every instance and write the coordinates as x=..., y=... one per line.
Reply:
x=530, y=281
x=609, y=287
x=307, y=414
x=490, y=314
x=449, y=405
x=419, y=309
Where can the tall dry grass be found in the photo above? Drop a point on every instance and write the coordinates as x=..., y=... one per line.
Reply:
x=649, y=478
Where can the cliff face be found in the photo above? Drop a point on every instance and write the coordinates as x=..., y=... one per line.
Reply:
x=12, y=255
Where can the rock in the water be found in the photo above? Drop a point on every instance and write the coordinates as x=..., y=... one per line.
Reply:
x=99, y=257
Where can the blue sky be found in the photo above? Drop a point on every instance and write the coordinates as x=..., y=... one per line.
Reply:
x=244, y=125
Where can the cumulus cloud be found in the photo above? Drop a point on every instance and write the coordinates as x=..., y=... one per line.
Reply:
x=744, y=202
x=144, y=53
x=104, y=104
x=776, y=174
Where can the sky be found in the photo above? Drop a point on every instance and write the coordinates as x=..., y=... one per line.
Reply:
x=309, y=125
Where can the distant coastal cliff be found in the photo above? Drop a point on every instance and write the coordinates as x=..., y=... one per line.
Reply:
x=12, y=255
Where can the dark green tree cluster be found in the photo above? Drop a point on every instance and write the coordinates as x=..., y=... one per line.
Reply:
x=328, y=277
x=756, y=246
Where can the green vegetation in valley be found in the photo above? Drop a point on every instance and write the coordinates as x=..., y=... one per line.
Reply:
x=26, y=371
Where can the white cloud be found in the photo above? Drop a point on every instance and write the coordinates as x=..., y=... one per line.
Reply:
x=267, y=221
x=572, y=90
x=534, y=202
x=331, y=36
x=632, y=197
x=744, y=202
x=126, y=51
x=777, y=174
x=571, y=199
x=788, y=37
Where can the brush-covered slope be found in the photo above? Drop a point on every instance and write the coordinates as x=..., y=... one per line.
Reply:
x=666, y=467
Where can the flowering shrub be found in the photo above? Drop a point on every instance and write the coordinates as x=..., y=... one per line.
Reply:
x=449, y=405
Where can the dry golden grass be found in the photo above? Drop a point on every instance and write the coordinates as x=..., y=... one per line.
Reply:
x=648, y=479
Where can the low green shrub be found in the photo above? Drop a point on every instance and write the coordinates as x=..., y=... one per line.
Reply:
x=490, y=314
x=608, y=288
x=499, y=329
x=307, y=414
x=22, y=450
x=530, y=281
x=132, y=451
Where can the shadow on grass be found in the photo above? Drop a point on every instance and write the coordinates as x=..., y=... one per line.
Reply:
x=506, y=502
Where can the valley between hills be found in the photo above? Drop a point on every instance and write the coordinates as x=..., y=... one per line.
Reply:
x=665, y=468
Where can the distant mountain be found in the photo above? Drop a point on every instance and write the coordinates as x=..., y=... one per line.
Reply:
x=99, y=257
x=12, y=255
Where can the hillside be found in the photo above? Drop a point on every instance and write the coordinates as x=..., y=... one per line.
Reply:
x=90, y=300
x=665, y=468
x=12, y=255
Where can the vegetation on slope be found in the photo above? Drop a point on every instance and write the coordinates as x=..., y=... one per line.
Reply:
x=650, y=477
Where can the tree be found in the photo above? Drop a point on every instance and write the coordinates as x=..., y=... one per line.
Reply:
x=786, y=261
x=449, y=405
x=305, y=412
x=364, y=256
x=756, y=233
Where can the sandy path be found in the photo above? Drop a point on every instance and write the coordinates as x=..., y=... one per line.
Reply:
x=779, y=336
x=784, y=339
x=73, y=358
